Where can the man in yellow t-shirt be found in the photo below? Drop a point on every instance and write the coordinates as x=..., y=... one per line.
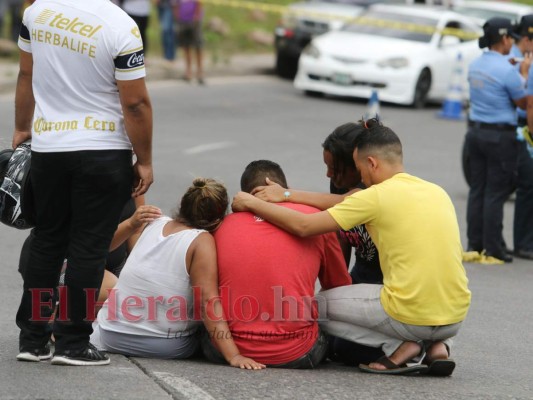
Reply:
x=424, y=297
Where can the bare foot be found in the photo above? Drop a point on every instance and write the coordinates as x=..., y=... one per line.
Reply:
x=437, y=351
x=404, y=353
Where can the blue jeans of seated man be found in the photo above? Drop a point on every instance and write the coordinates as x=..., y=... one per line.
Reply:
x=79, y=196
x=523, y=216
x=166, y=22
x=355, y=313
x=315, y=356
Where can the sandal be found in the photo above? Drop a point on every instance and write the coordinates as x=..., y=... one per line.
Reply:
x=392, y=368
x=439, y=367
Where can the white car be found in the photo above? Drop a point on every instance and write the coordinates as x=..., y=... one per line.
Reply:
x=309, y=18
x=484, y=10
x=303, y=21
x=400, y=51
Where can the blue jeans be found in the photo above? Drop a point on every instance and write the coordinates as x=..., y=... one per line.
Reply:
x=79, y=196
x=166, y=22
x=310, y=360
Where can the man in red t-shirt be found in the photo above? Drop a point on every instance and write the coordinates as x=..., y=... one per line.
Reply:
x=267, y=281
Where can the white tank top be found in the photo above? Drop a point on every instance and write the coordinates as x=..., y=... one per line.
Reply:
x=153, y=296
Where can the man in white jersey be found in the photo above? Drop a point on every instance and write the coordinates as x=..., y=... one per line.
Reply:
x=82, y=99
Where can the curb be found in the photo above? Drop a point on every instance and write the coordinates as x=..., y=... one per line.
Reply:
x=158, y=69
x=241, y=64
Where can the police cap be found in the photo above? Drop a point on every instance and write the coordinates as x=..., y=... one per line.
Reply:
x=525, y=27
x=496, y=28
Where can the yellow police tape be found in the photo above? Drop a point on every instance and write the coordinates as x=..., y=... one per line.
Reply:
x=382, y=23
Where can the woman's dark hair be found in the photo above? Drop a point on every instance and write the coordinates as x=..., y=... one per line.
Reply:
x=204, y=205
x=341, y=143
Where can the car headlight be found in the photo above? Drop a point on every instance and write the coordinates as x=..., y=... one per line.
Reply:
x=395, y=62
x=311, y=51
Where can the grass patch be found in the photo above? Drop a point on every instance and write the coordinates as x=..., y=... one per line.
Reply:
x=241, y=24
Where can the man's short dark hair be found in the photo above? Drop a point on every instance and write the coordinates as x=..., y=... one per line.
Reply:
x=256, y=172
x=380, y=140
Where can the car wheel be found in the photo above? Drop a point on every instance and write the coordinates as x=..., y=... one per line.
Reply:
x=423, y=84
x=465, y=161
x=286, y=66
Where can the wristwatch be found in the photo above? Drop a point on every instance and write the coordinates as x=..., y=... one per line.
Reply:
x=286, y=194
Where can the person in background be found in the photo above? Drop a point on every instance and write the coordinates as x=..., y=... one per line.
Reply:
x=165, y=12
x=189, y=15
x=491, y=138
x=139, y=11
x=16, y=8
x=2, y=14
x=523, y=215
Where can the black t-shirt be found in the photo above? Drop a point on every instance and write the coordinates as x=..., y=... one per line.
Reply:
x=367, y=267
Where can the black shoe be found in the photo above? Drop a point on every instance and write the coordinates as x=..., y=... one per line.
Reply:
x=33, y=354
x=86, y=356
x=201, y=81
x=506, y=258
x=526, y=254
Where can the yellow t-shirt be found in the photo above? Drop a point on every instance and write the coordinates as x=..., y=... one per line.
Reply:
x=414, y=226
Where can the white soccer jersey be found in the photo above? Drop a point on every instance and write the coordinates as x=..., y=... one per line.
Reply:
x=80, y=49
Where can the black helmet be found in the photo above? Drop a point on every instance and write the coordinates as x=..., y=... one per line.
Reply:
x=5, y=155
x=16, y=198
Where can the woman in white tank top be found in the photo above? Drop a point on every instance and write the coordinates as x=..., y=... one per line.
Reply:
x=169, y=282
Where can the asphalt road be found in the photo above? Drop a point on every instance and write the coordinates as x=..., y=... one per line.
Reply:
x=215, y=131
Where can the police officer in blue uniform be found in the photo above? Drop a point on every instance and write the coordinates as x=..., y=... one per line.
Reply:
x=523, y=216
x=496, y=89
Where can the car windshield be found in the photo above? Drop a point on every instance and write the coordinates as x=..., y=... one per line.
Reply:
x=399, y=26
x=485, y=14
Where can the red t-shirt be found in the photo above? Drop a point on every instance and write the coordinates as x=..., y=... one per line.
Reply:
x=267, y=284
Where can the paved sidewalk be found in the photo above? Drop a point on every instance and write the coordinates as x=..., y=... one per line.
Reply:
x=161, y=69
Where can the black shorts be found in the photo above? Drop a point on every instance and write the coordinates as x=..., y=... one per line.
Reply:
x=190, y=34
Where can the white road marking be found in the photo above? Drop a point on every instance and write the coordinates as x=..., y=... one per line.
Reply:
x=203, y=148
x=183, y=386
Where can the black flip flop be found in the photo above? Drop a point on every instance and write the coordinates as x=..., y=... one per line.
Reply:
x=392, y=368
x=440, y=367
